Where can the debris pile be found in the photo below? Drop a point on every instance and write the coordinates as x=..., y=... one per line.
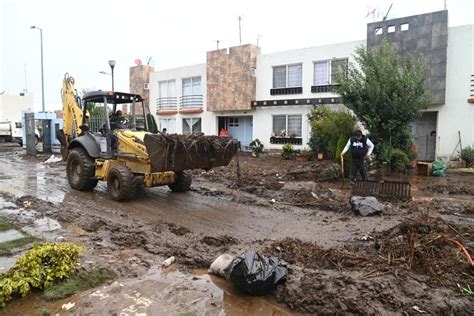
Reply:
x=173, y=152
x=423, y=245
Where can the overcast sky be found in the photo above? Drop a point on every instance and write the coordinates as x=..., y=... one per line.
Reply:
x=80, y=36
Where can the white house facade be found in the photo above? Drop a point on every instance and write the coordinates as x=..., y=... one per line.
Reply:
x=247, y=95
x=289, y=85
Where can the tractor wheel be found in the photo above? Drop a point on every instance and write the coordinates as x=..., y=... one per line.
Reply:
x=182, y=183
x=80, y=169
x=121, y=183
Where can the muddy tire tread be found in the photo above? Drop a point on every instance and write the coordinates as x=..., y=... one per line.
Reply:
x=182, y=184
x=87, y=182
x=128, y=184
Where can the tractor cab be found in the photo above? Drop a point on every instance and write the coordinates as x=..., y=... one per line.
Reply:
x=106, y=113
x=107, y=108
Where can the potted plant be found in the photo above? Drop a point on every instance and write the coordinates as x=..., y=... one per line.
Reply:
x=303, y=156
x=287, y=151
x=257, y=147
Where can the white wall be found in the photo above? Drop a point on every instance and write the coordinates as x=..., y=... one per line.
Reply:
x=263, y=123
x=208, y=119
x=457, y=114
x=12, y=105
x=306, y=56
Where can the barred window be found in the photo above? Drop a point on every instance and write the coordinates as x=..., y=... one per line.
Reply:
x=279, y=77
x=294, y=125
x=279, y=125
x=288, y=76
x=338, y=68
x=287, y=125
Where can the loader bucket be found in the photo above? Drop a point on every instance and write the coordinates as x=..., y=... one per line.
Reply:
x=173, y=152
x=388, y=190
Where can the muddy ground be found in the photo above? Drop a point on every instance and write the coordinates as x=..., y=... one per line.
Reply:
x=400, y=262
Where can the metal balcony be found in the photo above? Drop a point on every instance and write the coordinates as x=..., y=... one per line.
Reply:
x=190, y=101
x=167, y=104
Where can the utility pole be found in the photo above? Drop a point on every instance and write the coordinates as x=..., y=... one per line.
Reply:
x=112, y=65
x=42, y=69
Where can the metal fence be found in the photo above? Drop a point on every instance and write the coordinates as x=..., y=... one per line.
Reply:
x=96, y=122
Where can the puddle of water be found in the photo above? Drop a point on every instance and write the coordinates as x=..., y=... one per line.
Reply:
x=9, y=235
x=234, y=302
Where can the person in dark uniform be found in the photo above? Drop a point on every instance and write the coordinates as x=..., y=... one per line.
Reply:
x=361, y=148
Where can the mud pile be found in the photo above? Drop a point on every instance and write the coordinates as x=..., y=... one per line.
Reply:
x=391, y=271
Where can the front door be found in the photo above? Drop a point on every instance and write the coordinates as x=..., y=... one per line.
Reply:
x=425, y=136
x=240, y=127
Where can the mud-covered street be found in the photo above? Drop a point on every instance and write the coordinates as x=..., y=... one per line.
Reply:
x=338, y=262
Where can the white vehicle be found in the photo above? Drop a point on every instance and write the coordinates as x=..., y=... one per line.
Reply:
x=13, y=132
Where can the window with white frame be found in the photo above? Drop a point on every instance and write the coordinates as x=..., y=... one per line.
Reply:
x=288, y=76
x=192, y=86
x=327, y=72
x=167, y=88
x=233, y=122
x=169, y=124
x=287, y=125
x=191, y=125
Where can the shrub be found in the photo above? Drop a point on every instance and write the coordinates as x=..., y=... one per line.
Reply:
x=398, y=159
x=341, y=143
x=327, y=127
x=257, y=147
x=287, y=151
x=39, y=268
x=467, y=155
x=305, y=153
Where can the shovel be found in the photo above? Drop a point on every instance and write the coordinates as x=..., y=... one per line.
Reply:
x=342, y=172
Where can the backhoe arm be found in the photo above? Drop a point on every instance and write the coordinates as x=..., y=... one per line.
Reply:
x=72, y=112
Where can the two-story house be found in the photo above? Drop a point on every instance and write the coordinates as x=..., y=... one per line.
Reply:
x=290, y=84
x=269, y=96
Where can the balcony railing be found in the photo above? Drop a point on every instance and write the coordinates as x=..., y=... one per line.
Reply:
x=190, y=101
x=167, y=104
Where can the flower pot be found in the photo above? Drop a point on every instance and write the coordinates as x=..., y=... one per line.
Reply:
x=301, y=158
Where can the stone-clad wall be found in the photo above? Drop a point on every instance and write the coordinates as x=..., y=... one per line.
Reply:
x=427, y=36
x=139, y=75
x=230, y=83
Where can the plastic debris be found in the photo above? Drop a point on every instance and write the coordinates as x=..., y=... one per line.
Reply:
x=256, y=274
x=68, y=306
x=439, y=168
x=168, y=262
x=53, y=159
x=419, y=310
x=220, y=264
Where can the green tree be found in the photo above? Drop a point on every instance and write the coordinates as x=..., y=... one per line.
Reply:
x=386, y=93
x=327, y=126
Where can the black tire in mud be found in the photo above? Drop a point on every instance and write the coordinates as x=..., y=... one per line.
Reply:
x=80, y=169
x=121, y=183
x=182, y=183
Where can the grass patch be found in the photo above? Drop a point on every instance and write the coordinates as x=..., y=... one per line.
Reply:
x=79, y=282
x=6, y=246
x=4, y=225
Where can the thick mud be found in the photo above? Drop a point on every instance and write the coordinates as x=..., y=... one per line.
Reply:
x=338, y=262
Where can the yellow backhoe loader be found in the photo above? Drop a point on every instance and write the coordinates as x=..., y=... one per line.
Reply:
x=123, y=151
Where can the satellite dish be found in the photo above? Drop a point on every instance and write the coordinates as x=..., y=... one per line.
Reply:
x=138, y=61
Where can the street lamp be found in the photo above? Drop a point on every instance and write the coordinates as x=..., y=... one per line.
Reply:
x=42, y=69
x=112, y=65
